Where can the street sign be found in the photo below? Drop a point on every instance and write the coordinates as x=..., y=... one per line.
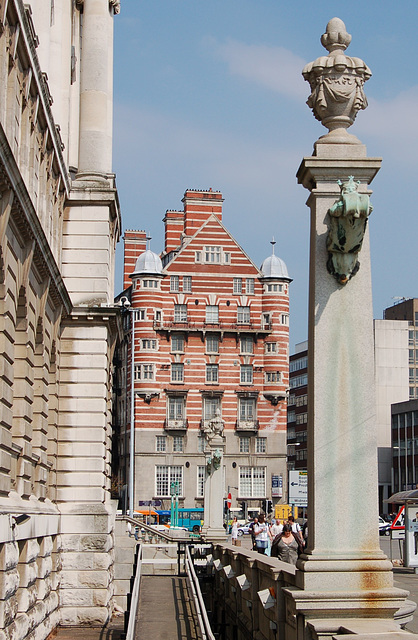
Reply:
x=276, y=486
x=397, y=528
x=298, y=488
x=229, y=501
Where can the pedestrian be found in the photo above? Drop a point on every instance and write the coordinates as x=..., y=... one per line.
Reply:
x=295, y=527
x=305, y=533
x=234, y=530
x=286, y=545
x=416, y=534
x=275, y=529
x=251, y=530
x=261, y=534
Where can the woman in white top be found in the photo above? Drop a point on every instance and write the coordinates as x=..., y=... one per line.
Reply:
x=234, y=530
x=261, y=535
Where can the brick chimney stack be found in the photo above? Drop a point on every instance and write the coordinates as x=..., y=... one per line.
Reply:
x=174, y=227
x=135, y=243
x=198, y=206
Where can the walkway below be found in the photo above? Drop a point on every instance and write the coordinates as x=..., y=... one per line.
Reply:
x=165, y=610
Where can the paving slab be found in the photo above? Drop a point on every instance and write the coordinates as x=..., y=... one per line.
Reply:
x=166, y=610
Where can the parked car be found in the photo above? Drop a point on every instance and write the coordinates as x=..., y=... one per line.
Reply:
x=244, y=529
x=384, y=527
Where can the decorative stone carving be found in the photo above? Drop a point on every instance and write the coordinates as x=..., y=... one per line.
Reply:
x=347, y=225
x=112, y=3
x=116, y=6
x=214, y=428
x=214, y=462
x=336, y=83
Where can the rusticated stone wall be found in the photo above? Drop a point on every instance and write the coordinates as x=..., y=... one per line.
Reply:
x=56, y=240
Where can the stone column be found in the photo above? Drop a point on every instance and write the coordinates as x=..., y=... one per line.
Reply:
x=343, y=574
x=95, y=151
x=213, y=529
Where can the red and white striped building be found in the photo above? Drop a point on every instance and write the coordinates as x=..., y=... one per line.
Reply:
x=211, y=335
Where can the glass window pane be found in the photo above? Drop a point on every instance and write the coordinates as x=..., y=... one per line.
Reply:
x=244, y=444
x=211, y=373
x=211, y=407
x=237, y=285
x=177, y=342
x=212, y=314
x=247, y=344
x=246, y=374
x=249, y=288
x=180, y=313
x=243, y=315
x=177, y=372
x=174, y=283
x=187, y=284
x=212, y=344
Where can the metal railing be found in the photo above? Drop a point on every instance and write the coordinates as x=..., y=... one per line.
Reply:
x=170, y=324
x=183, y=549
x=199, y=604
x=133, y=606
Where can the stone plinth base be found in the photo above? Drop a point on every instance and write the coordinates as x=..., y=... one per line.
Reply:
x=358, y=629
x=212, y=534
x=351, y=611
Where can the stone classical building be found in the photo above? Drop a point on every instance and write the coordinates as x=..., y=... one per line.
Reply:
x=211, y=335
x=59, y=226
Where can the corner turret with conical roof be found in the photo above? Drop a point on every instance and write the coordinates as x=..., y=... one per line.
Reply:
x=274, y=267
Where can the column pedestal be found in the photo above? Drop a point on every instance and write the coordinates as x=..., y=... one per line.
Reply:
x=213, y=529
x=343, y=573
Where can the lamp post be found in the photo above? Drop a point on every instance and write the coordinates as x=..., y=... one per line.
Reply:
x=125, y=303
x=132, y=438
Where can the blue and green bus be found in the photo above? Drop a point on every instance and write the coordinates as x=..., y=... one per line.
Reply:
x=191, y=519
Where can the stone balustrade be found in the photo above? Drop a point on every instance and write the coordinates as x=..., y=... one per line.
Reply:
x=249, y=590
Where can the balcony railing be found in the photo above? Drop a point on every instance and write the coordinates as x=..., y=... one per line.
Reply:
x=176, y=425
x=170, y=324
x=247, y=425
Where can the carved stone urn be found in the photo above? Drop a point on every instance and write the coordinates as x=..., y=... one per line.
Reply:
x=336, y=82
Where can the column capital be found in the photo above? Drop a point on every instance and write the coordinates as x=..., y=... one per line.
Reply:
x=315, y=170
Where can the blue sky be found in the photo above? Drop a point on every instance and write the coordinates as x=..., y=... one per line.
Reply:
x=210, y=94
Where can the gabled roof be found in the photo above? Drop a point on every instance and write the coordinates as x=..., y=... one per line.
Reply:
x=212, y=220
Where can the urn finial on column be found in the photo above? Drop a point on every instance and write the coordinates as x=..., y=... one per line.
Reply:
x=336, y=83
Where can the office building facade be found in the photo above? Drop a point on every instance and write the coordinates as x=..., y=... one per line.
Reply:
x=211, y=333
